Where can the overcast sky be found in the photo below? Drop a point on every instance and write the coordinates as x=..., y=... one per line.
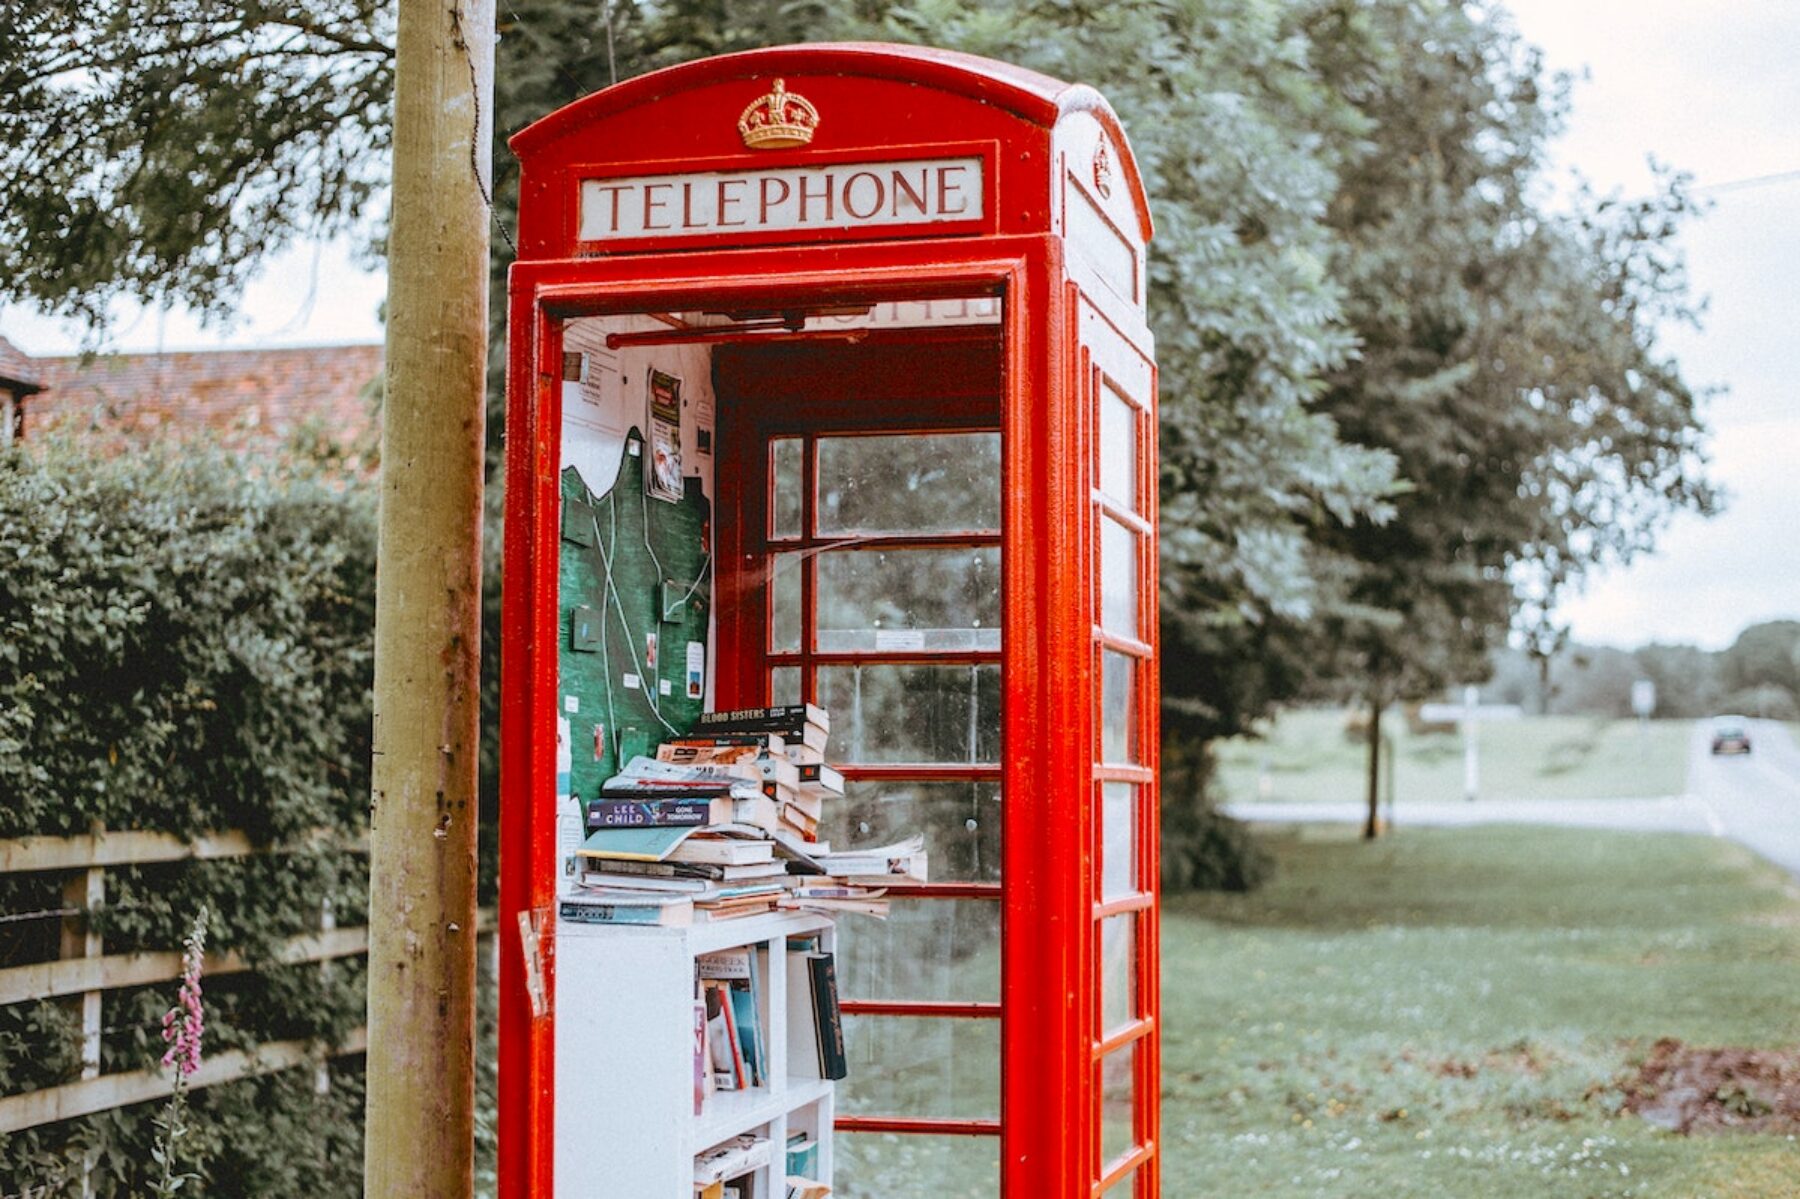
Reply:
x=1709, y=86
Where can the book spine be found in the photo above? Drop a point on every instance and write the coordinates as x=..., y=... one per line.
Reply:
x=699, y=1056
x=611, y=913
x=648, y=813
x=746, y=718
x=833, y=1060
x=738, y=1073
x=750, y=1021
x=726, y=739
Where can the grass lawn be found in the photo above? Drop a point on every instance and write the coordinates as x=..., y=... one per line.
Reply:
x=1307, y=756
x=1446, y=1013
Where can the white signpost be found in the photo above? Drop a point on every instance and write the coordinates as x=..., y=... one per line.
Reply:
x=1467, y=715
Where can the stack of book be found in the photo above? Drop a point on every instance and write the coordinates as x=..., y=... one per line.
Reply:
x=731, y=1037
x=722, y=1172
x=724, y=822
x=733, y=1052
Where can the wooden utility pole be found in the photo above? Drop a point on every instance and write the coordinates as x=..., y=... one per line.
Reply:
x=421, y=1059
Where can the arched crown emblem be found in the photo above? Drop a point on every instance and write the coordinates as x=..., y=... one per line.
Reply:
x=781, y=118
x=1103, y=170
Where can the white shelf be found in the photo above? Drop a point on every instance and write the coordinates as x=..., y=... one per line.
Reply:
x=712, y=935
x=729, y=1113
x=624, y=1034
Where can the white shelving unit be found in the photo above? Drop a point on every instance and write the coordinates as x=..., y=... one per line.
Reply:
x=625, y=1122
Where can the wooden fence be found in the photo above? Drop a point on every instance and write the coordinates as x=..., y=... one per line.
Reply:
x=84, y=971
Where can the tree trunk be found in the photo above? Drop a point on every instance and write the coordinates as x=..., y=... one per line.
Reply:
x=1372, y=825
x=421, y=1056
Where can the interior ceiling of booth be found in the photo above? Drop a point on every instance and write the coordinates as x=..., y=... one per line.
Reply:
x=893, y=314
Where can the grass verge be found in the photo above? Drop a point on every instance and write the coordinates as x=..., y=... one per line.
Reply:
x=1449, y=1012
x=1307, y=756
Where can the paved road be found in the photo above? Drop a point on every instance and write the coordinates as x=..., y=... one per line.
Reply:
x=1753, y=799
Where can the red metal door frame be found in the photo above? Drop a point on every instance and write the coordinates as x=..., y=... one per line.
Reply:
x=942, y=380
x=1047, y=717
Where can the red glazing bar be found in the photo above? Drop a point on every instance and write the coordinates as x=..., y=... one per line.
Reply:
x=896, y=541
x=1137, y=1030
x=1124, y=1166
x=1121, y=513
x=1128, y=903
x=911, y=657
x=969, y=890
x=931, y=1008
x=809, y=569
x=1124, y=645
x=919, y=1125
x=921, y=772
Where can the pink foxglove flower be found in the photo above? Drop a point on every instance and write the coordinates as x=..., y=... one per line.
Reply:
x=184, y=1024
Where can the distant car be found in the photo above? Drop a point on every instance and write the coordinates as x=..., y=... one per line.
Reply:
x=1730, y=736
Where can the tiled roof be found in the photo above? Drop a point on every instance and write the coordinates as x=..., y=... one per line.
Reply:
x=17, y=369
x=247, y=397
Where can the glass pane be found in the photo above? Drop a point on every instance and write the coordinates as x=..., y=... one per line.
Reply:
x=921, y=1066
x=909, y=483
x=1117, y=1132
x=787, y=476
x=1123, y=1187
x=1118, y=972
x=903, y=600
x=784, y=685
x=947, y=949
x=912, y=713
x=1118, y=579
x=1118, y=707
x=1118, y=447
x=876, y=1165
x=961, y=823
x=784, y=603
x=1118, y=840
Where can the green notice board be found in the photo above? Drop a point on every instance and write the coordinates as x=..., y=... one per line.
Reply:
x=636, y=592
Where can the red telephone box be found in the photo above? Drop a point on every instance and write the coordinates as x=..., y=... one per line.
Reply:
x=887, y=304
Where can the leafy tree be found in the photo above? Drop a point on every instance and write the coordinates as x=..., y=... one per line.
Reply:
x=159, y=149
x=1686, y=678
x=1507, y=355
x=1350, y=284
x=1764, y=656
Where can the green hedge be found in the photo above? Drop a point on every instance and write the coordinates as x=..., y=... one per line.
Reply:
x=186, y=646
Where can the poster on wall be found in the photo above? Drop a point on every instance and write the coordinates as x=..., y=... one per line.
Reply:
x=663, y=479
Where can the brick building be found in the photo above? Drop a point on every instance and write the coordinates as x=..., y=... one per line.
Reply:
x=18, y=382
x=246, y=399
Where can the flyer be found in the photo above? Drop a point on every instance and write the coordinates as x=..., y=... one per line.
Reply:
x=663, y=479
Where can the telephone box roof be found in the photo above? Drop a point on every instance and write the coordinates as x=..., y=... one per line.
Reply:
x=1036, y=98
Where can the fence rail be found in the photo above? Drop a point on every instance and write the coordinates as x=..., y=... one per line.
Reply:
x=85, y=971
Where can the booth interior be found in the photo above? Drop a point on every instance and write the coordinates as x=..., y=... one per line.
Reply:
x=789, y=522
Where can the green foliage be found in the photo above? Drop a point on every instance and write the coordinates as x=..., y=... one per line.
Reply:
x=275, y=1136
x=1768, y=701
x=40, y=1046
x=1203, y=849
x=187, y=649
x=1763, y=656
x=1508, y=356
x=170, y=144
x=1400, y=401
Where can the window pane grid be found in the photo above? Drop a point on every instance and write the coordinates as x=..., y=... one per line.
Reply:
x=934, y=731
